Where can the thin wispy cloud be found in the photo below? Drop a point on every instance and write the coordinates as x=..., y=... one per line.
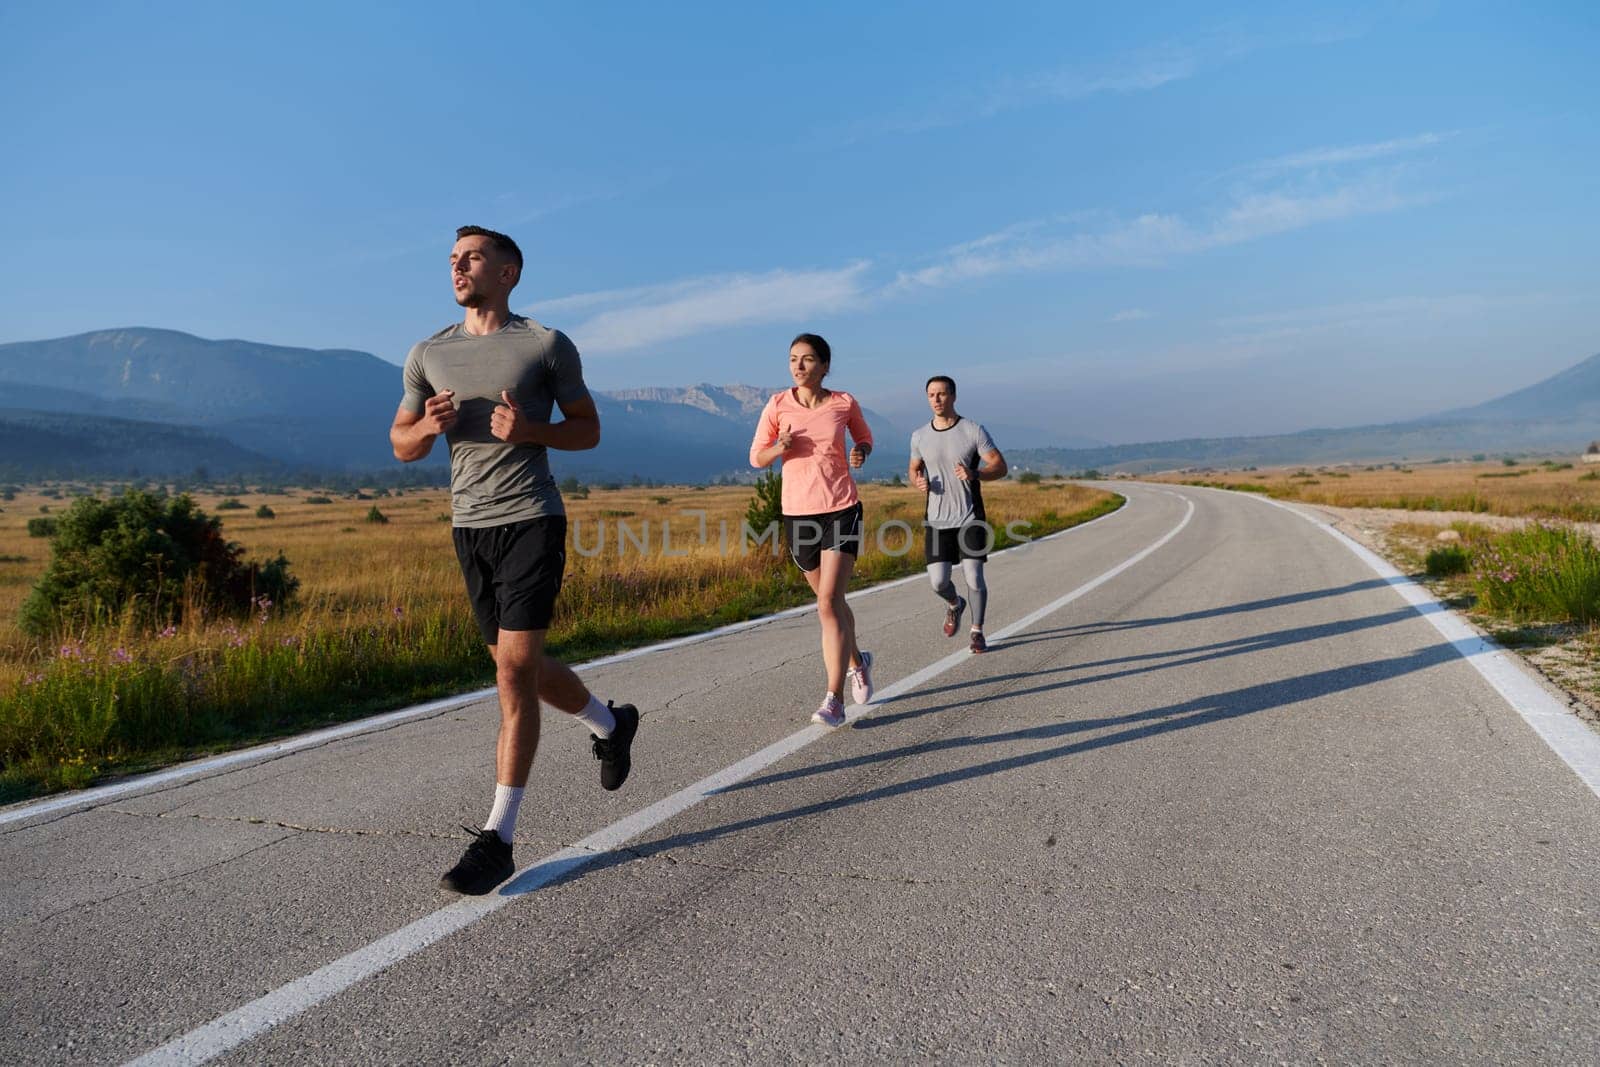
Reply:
x=640, y=317
x=625, y=319
x=1356, y=153
x=1384, y=313
x=1136, y=71
x=1154, y=240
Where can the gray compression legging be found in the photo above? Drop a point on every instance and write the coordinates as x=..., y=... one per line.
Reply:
x=977, y=591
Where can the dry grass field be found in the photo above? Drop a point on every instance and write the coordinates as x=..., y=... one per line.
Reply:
x=1551, y=489
x=381, y=618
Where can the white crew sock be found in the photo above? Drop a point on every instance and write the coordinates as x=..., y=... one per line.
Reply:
x=503, y=816
x=597, y=717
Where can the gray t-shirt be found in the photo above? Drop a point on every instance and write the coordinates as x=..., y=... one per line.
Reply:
x=492, y=482
x=951, y=501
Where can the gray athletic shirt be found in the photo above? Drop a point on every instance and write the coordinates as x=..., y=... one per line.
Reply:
x=491, y=482
x=951, y=501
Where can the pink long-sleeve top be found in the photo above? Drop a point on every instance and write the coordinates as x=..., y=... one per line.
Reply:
x=816, y=469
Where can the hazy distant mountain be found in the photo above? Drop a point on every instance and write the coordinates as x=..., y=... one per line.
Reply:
x=1560, y=413
x=728, y=401
x=329, y=410
x=1573, y=394
x=48, y=444
x=655, y=432
x=302, y=407
x=164, y=402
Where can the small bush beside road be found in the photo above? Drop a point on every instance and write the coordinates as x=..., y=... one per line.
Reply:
x=1543, y=571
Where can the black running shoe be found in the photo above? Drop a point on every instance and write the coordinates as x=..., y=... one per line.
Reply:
x=485, y=864
x=614, y=752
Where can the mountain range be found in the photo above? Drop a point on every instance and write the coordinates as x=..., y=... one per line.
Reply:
x=160, y=403
x=1559, y=414
x=150, y=402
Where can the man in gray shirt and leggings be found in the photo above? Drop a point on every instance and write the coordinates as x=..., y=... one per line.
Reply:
x=950, y=459
x=487, y=384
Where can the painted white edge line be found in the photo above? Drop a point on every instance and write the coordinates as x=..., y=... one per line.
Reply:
x=94, y=797
x=1567, y=735
x=255, y=1018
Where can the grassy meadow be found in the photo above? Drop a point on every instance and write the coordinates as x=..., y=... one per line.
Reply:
x=1534, y=585
x=1550, y=489
x=381, y=619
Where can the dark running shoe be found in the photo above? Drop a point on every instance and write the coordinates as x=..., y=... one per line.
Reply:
x=978, y=643
x=613, y=752
x=952, y=616
x=485, y=864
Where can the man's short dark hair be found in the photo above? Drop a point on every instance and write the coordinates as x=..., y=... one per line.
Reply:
x=945, y=378
x=502, y=244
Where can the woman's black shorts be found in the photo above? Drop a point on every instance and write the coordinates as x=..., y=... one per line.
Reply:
x=811, y=535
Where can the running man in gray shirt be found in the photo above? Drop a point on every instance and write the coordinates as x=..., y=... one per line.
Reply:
x=488, y=385
x=951, y=458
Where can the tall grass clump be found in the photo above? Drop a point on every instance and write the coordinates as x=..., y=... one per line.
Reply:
x=101, y=705
x=1448, y=560
x=1540, y=571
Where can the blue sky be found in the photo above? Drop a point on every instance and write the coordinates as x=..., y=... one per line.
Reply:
x=1120, y=225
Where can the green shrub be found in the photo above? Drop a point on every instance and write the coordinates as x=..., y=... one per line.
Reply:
x=318, y=500
x=230, y=504
x=150, y=556
x=42, y=527
x=1540, y=571
x=264, y=512
x=1448, y=560
x=766, y=507
x=1029, y=478
x=374, y=515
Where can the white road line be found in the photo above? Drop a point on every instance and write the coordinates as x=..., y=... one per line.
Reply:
x=90, y=798
x=245, y=1023
x=1567, y=735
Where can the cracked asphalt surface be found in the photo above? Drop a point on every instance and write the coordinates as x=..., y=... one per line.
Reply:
x=1238, y=804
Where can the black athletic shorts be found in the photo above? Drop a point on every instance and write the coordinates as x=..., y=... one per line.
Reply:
x=513, y=572
x=811, y=535
x=957, y=543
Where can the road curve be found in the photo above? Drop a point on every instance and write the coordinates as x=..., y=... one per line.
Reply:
x=1217, y=794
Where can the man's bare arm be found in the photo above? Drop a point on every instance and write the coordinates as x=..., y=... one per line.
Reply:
x=413, y=432
x=915, y=475
x=579, y=428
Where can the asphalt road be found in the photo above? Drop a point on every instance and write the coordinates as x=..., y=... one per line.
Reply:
x=1236, y=802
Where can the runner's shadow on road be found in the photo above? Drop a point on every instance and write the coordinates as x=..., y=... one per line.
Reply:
x=1126, y=729
x=1088, y=628
x=1178, y=657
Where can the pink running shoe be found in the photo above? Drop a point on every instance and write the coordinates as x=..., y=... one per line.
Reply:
x=861, y=679
x=831, y=713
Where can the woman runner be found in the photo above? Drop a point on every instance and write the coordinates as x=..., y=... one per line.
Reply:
x=805, y=427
